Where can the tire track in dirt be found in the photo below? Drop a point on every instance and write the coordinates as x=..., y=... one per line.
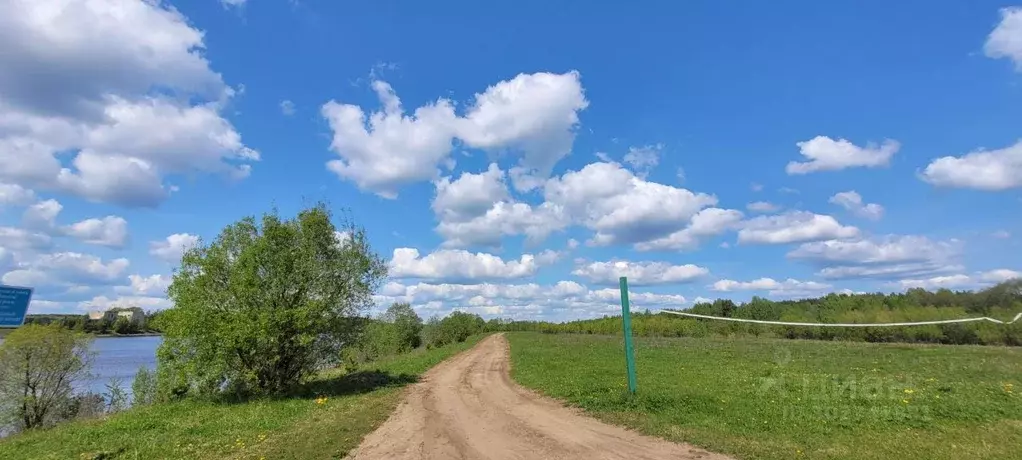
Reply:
x=468, y=408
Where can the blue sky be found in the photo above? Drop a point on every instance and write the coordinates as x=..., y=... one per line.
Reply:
x=514, y=162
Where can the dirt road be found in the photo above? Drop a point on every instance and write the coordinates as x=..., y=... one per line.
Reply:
x=468, y=408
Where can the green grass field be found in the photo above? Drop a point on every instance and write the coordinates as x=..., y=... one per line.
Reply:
x=784, y=399
x=297, y=428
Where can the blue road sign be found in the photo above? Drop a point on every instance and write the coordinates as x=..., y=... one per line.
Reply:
x=13, y=305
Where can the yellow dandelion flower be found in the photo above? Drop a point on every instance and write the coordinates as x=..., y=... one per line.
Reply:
x=904, y=401
x=909, y=391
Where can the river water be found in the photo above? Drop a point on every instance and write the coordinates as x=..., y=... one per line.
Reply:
x=115, y=358
x=119, y=358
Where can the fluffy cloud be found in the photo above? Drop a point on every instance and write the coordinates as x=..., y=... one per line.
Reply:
x=42, y=215
x=961, y=281
x=852, y=201
x=534, y=114
x=621, y=207
x=173, y=247
x=706, y=223
x=639, y=273
x=470, y=196
x=79, y=77
x=891, y=256
x=13, y=238
x=762, y=206
x=66, y=268
x=153, y=285
x=549, y=256
x=15, y=195
x=110, y=231
x=564, y=300
x=982, y=169
x=504, y=219
x=388, y=149
x=793, y=227
x=1006, y=39
x=826, y=154
x=787, y=288
x=448, y=264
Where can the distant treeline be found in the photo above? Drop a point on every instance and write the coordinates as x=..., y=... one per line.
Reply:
x=1002, y=301
x=110, y=324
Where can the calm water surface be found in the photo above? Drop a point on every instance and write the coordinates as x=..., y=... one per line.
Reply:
x=120, y=357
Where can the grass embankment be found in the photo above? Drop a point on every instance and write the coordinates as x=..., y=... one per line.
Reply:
x=784, y=399
x=334, y=413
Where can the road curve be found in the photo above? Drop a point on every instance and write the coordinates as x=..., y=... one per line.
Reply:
x=468, y=408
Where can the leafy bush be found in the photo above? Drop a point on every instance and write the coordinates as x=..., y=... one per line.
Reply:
x=456, y=327
x=378, y=339
x=123, y=325
x=116, y=397
x=143, y=388
x=265, y=305
x=407, y=325
x=38, y=365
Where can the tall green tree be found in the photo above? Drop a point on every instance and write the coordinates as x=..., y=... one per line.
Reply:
x=38, y=365
x=407, y=323
x=266, y=304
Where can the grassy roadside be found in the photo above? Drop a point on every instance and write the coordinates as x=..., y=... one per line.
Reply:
x=331, y=420
x=783, y=399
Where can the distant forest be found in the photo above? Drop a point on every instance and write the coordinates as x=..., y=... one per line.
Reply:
x=1002, y=302
x=108, y=325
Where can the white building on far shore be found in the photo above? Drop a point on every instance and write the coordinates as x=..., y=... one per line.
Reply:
x=99, y=315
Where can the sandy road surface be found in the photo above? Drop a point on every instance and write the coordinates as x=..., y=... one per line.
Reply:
x=468, y=408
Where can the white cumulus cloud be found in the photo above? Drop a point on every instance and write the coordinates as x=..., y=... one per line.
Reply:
x=793, y=227
x=788, y=287
x=153, y=285
x=173, y=247
x=15, y=195
x=961, y=280
x=990, y=170
x=1005, y=41
x=826, y=154
x=852, y=201
x=532, y=114
x=66, y=268
x=121, y=83
x=456, y=264
x=706, y=223
x=471, y=195
x=621, y=207
x=891, y=257
x=110, y=231
x=639, y=273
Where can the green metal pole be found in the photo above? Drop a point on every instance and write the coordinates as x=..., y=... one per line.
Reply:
x=626, y=320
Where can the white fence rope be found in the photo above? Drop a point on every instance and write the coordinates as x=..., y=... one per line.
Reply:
x=788, y=323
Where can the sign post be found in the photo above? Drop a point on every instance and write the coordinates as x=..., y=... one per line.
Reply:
x=14, y=302
x=626, y=320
